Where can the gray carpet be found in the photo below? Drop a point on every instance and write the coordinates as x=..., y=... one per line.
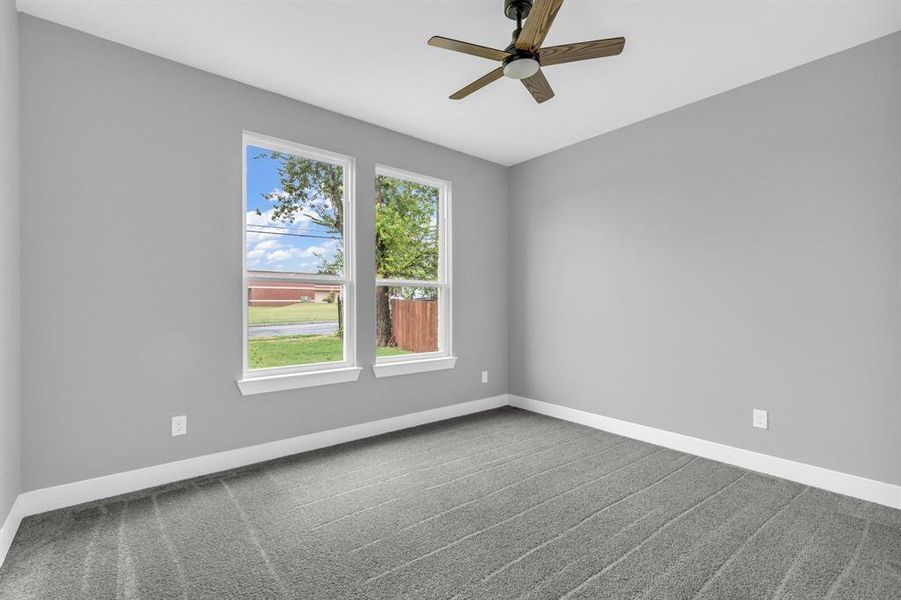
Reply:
x=504, y=504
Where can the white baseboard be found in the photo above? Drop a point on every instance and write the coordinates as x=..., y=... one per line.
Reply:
x=834, y=481
x=9, y=529
x=70, y=494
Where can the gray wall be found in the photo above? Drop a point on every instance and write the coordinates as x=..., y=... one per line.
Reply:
x=741, y=252
x=9, y=257
x=131, y=242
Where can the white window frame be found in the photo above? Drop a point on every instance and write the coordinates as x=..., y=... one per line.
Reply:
x=389, y=366
x=256, y=381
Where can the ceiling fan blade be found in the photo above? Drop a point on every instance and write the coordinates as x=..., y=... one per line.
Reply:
x=467, y=48
x=478, y=84
x=537, y=24
x=555, y=55
x=538, y=87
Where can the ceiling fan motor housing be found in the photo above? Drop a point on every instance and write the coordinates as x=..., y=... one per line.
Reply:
x=517, y=9
x=521, y=64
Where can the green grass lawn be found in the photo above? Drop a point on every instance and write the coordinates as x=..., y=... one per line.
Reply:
x=269, y=352
x=302, y=312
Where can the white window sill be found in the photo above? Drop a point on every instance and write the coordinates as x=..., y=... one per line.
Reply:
x=292, y=381
x=391, y=369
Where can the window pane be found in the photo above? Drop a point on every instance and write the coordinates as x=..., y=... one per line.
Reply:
x=406, y=320
x=291, y=323
x=406, y=230
x=294, y=213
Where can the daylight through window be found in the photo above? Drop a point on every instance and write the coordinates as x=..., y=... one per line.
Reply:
x=412, y=266
x=297, y=265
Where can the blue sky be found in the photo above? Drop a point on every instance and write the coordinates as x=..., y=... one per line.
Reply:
x=275, y=245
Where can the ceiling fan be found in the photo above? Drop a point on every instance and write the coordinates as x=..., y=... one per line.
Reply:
x=524, y=57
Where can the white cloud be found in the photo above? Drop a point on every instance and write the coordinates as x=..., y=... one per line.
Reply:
x=324, y=248
x=267, y=244
x=265, y=228
x=279, y=256
x=268, y=249
x=265, y=219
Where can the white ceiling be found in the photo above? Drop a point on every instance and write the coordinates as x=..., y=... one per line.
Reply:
x=369, y=58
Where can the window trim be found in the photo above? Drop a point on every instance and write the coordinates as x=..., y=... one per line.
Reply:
x=254, y=381
x=292, y=381
x=387, y=366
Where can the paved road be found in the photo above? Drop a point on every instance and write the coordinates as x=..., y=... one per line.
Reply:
x=258, y=331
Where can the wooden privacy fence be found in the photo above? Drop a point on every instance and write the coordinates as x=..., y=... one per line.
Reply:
x=414, y=324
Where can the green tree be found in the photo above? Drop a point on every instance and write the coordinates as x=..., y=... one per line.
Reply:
x=406, y=230
x=315, y=190
x=406, y=242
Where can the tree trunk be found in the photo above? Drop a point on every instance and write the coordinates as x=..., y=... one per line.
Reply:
x=339, y=300
x=383, y=334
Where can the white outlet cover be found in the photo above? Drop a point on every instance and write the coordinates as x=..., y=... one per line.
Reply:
x=761, y=419
x=179, y=425
x=484, y=376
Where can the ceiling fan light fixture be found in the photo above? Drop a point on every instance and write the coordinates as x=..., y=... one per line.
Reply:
x=521, y=68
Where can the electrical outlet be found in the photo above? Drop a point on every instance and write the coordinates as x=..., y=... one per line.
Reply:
x=484, y=376
x=761, y=419
x=179, y=425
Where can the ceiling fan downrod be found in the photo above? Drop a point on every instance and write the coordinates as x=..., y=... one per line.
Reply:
x=520, y=64
x=517, y=10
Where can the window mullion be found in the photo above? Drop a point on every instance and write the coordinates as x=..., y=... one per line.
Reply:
x=300, y=277
x=409, y=283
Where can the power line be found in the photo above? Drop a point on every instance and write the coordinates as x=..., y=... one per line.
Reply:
x=305, y=235
x=280, y=227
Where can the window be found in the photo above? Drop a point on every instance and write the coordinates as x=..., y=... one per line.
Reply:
x=412, y=263
x=298, y=266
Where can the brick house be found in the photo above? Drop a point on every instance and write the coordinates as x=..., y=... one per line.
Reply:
x=284, y=293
